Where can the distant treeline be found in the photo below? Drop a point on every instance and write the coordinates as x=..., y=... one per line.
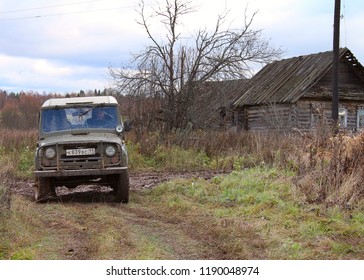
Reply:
x=21, y=110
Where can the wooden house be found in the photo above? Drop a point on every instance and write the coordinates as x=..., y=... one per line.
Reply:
x=296, y=93
x=211, y=108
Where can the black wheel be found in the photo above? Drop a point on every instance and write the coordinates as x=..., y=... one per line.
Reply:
x=44, y=189
x=121, y=187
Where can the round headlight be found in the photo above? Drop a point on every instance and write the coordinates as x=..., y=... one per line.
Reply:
x=50, y=153
x=110, y=151
x=119, y=128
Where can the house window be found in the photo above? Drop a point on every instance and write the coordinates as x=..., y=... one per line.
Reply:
x=360, y=118
x=317, y=115
x=343, y=117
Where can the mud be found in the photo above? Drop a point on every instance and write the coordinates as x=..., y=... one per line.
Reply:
x=80, y=225
x=95, y=193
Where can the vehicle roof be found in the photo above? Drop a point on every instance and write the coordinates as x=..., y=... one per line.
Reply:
x=79, y=100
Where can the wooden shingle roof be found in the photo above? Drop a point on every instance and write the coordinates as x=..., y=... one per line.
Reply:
x=217, y=94
x=287, y=80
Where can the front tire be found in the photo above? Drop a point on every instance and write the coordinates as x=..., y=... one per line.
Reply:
x=121, y=187
x=44, y=189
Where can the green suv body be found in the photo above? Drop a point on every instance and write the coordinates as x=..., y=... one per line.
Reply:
x=81, y=142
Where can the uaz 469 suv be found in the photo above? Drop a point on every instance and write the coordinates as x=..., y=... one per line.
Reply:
x=80, y=142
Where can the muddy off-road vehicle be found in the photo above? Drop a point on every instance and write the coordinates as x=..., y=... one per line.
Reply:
x=81, y=142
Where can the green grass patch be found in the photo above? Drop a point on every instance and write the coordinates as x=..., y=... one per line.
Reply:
x=248, y=214
x=25, y=165
x=254, y=213
x=167, y=158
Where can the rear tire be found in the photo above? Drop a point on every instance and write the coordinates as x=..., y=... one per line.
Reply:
x=121, y=187
x=44, y=189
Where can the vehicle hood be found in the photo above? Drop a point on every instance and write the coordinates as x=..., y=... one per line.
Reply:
x=81, y=138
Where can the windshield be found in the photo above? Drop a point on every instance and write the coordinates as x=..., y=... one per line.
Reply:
x=93, y=117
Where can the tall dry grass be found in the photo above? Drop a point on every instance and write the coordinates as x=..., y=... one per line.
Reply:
x=11, y=139
x=332, y=170
x=16, y=152
x=249, y=148
x=329, y=169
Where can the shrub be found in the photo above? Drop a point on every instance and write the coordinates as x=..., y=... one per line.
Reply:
x=332, y=170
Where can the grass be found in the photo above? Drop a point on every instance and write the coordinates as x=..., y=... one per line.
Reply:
x=17, y=153
x=328, y=170
x=253, y=213
x=167, y=158
x=248, y=214
x=4, y=218
x=284, y=199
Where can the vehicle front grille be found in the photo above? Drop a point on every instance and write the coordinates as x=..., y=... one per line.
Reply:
x=98, y=160
x=80, y=162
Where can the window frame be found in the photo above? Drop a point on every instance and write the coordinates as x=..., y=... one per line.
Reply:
x=343, y=117
x=360, y=113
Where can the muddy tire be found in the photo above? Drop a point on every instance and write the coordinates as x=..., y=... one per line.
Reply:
x=44, y=189
x=121, y=187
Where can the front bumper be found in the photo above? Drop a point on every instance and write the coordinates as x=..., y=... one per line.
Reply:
x=81, y=172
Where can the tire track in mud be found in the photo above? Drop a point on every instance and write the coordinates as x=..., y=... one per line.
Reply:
x=174, y=238
x=103, y=230
x=94, y=193
x=72, y=234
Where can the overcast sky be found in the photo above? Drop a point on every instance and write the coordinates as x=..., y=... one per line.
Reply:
x=67, y=45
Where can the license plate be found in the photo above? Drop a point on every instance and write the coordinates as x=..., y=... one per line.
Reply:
x=80, y=152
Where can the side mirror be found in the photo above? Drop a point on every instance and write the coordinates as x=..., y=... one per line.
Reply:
x=127, y=125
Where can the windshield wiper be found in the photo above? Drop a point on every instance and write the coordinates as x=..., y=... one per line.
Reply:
x=93, y=107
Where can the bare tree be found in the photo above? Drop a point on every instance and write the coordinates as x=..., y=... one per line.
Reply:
x=172, y=70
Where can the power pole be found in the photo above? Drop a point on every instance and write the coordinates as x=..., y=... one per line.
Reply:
x=335, y=68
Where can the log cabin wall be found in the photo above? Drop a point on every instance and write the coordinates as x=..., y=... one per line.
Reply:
x=297, y=93
x=273, y=116
x=305, y=115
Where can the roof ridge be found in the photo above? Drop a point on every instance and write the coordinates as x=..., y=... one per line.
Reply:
x=286, y=80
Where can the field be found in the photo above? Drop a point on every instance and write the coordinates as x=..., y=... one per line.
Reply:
x=211, y=196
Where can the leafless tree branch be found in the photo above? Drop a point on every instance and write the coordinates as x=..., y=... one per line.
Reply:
x=174, y=70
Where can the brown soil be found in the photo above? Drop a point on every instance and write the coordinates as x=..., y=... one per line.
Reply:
x=93, y=193
x=77, y=228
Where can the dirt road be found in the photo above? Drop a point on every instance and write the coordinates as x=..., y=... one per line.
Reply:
x=83, y=226
x=138, y=180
